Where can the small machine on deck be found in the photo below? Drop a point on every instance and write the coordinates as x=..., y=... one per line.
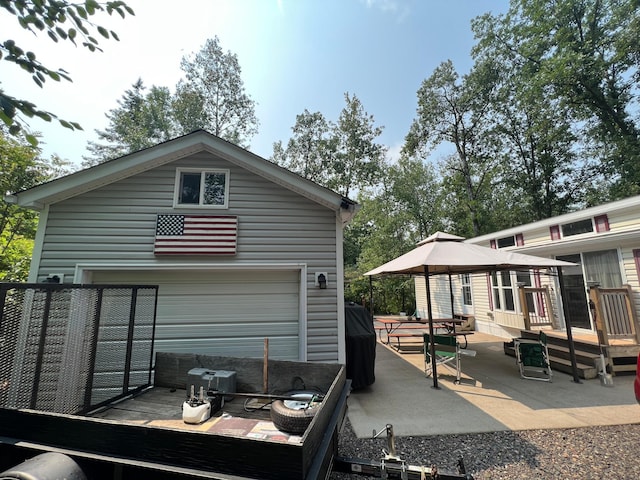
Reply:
x=198, y=408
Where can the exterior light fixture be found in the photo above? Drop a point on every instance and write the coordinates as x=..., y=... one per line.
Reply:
x=321, y=280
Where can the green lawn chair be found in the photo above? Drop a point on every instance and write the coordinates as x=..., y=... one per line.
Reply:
x=447, y=353
x=532, y=356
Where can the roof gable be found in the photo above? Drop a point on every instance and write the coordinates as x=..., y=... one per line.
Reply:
x=170, y=151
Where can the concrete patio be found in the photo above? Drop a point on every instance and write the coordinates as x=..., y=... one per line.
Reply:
x=491, y=396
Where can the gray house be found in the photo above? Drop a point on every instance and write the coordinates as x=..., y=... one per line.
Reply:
x=241, y=249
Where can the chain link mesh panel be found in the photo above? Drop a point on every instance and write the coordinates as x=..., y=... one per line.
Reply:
x=69, y=348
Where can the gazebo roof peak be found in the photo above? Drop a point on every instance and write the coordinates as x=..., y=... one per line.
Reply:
x=441, y=237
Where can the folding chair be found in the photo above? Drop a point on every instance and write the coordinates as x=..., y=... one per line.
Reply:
x=532, y=356
x=447, y=351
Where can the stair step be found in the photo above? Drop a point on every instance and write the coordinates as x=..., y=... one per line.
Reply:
x=561, y=341
x=587, y=358
x=585, y=371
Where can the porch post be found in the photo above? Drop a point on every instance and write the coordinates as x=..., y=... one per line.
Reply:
x=572, y=348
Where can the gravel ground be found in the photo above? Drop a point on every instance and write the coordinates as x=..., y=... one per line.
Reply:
x=610, y=452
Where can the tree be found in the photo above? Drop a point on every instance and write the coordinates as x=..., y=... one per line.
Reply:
x=455, y=111
x=213, y=82
x=62, y=21
x=586, y=53
x=306, y=151
x=141, y=121
x=20, y=168
x=355, y=159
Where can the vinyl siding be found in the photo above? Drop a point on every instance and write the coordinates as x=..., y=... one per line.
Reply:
x=623, y=236
x=116, y=224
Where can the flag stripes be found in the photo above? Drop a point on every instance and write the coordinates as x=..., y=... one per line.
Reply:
x=196, y=235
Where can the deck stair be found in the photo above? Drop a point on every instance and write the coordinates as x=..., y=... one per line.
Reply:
x=587, y=355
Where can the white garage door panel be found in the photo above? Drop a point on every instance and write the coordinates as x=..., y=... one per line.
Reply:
x=222, y=312
x=287, y=348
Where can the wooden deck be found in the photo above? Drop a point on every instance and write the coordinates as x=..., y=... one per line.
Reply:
x=145, y=437
x=162, y=407
x=621, y=354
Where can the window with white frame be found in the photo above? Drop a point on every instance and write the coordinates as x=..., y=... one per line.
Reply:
x=201, y=188
x=603, y=268
x=509, y=241
x=503, y=291
x=465, y=281
x=598, y=224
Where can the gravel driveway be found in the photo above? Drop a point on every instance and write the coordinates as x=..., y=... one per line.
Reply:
x=611, y=452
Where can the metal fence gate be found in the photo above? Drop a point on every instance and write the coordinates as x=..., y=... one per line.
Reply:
x=72, y=348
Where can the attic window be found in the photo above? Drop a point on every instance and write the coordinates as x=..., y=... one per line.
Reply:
x=202, y=188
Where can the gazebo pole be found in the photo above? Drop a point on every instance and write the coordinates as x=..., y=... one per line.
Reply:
x=452, y=310
x=371, y=295
x=432, y=347
x=567, y=324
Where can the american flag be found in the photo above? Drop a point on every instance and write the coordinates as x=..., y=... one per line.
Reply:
x=196, y=235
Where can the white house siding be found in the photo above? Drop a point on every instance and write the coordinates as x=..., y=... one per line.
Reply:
x=440, y=296
x=115, y=224
x=623, y=235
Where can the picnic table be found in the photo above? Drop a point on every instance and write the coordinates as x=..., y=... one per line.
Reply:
x=397, y=328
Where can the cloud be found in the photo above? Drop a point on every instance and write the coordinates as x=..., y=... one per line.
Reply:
x=394, y=7
x=393, y=154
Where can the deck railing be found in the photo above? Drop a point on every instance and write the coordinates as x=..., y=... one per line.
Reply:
x=614, y=313
x=537, y=310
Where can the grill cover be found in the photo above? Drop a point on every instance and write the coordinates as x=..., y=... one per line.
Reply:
x=360, y=344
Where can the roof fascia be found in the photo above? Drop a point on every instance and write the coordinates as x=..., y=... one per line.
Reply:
x=138, y=162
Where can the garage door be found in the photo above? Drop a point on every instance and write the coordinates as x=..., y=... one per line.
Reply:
x=222, y=312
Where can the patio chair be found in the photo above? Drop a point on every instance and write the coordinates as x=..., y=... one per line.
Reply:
x=532, y=356
x=447, y=353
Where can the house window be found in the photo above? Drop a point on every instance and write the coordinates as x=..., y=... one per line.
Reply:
x=203, y=188
x=465, y=280
x=506, y=242
x=525, y=279
x=510, y=241
x=576, y=228
x=503, y=294
x=602, y=267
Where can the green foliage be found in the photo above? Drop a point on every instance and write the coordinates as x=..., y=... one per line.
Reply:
x=20, y=168
x=214, y=94
x=342, y=156
x=141, y=121
x=581, y=58
x=455, y=110
x=211, y=97
x=357, y=159
x=61, y=20
x=306, y=151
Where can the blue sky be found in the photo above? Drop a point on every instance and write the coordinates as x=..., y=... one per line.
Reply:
x=294, y=55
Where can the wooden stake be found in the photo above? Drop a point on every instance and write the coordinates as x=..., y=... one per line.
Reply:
x=265, y=367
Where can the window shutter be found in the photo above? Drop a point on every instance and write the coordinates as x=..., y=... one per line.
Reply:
x=602, y=223
x=636, y=258
x=554, y=231
x=492, y=243
x=519, y=239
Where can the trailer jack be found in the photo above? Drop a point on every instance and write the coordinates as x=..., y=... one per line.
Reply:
x=391, y=466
